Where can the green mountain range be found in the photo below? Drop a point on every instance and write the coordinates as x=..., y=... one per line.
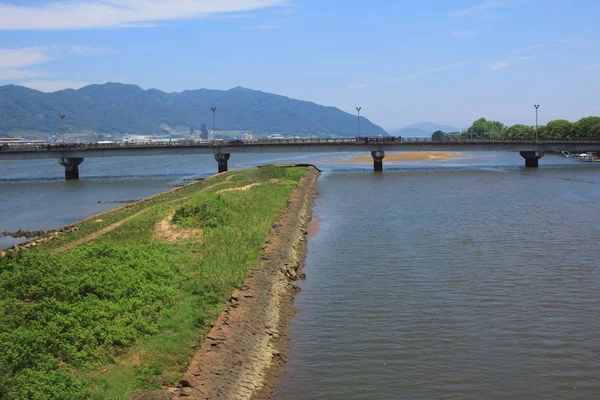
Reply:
x=128, y=109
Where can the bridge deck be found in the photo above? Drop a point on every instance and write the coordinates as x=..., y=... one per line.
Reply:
x=78, y=150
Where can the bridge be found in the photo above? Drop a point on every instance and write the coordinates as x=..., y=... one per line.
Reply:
x=71, y=155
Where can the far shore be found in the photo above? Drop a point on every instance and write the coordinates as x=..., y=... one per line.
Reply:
x=412, y=156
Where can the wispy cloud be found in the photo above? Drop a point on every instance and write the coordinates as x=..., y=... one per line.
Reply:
x=89, y=14
x=89, y=51
x=476, y=9
x=590, y=67
x=463, y=34
x=358, y=86
x=265, y=27
x=17, y=63
x=498, y=65
x=531, y=48
x=430, y=71
x=53, y=86
x=23, y=57
x=13, y=74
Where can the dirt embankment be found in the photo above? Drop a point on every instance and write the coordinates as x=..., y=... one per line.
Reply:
x=247, y=348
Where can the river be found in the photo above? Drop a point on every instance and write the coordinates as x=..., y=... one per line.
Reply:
x=470, y=278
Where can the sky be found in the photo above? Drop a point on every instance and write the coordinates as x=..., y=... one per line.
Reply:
x=402, y=61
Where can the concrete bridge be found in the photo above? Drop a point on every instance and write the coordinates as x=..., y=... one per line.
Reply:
x=72, y=155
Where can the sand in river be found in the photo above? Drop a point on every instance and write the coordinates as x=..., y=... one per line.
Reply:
x=411, y=156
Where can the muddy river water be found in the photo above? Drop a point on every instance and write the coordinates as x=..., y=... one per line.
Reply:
x=471, y=278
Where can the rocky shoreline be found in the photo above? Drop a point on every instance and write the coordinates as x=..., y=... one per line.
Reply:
x=246, y=350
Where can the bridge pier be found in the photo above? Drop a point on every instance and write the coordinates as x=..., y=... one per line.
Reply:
x=532, y=158
x=222, y=159
x=378, y=160
x=71, y=167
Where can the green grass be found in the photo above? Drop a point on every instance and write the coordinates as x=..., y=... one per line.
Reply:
x=125, y=310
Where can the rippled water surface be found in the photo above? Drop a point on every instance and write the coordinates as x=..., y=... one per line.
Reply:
x=476, y=283
x=470, y=278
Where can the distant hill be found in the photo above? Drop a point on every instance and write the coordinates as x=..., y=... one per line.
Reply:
x=128, y=109
x=423, y=129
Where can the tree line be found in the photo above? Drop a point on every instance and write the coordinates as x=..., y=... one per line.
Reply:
x=588, y=127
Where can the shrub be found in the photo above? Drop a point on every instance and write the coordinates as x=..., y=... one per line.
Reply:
x=61, y=310
x=207, y=211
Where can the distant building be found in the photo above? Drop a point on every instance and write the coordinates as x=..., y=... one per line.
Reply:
x=203, y=132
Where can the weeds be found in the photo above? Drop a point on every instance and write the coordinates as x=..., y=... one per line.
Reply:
x=119, y=312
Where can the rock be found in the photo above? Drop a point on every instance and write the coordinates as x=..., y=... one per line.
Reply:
x=184, y=383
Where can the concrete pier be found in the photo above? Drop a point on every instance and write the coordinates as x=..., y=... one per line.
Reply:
x=71, y=167
x=378, y=160
x=531, y=158
x=222, y=159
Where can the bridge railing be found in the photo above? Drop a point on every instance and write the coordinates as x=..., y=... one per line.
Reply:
x=67, y=147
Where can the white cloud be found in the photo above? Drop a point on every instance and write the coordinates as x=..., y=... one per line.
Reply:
x=498, y=65
x=265, y=27
x=463, y=34
x=89, y=51
x=530, y=48
x=475, y=9
x=358, y=86
x=590, y=67
x=12, y=74
x=53, y=86
x=429, y=71
x=24, y=57
x=86, y=14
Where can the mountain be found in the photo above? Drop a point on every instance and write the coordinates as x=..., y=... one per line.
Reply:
x=423, y=129
x=127, y=109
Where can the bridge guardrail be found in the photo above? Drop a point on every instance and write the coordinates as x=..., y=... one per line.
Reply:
x=7, y=148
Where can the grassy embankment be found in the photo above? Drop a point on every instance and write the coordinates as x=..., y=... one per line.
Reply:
x=125, y=310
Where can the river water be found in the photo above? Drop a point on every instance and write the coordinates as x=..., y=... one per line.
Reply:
x=470, y=278
x=452, y=281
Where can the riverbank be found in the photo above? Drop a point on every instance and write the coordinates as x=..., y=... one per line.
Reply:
x=246, y=350
x=411, y=156
x=130, y=304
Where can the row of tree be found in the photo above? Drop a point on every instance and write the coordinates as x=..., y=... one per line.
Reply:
x=559, y=128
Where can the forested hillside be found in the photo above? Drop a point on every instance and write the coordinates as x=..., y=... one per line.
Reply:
x=128, y=109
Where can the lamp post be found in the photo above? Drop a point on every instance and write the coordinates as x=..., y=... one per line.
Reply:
x=62, y=118
x=213, y=109
x=358, y=119
x=536, y=121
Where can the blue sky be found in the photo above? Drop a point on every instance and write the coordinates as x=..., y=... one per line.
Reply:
x=402, y=61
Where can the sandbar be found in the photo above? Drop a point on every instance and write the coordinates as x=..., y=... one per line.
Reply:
x=411, y=156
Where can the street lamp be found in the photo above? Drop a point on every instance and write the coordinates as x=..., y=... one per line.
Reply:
x=536, y=121
x=213, y=109
x=62, y=118
x=358, y=110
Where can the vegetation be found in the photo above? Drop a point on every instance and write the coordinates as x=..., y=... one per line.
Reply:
x=128, y=109
x=588, y=127
x=118, y=312
x=210, y=211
